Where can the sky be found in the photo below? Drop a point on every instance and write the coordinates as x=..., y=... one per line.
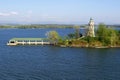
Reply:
x=59, y=11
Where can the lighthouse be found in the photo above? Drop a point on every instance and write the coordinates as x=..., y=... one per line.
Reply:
x=90, y=30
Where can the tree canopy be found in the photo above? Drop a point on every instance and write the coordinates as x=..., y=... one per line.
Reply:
x=53, y=36
x=106, y=35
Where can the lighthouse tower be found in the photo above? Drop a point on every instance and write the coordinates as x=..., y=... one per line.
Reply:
x=90, y=31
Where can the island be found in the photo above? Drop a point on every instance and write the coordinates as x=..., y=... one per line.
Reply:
x=102, y=37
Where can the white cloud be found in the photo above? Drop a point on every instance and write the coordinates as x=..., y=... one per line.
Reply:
x=14, y=13
x=9, y=13
x=4, y=14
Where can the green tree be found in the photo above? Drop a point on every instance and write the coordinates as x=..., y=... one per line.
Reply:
x=114, y=38
x=77, y=32
x=53, y=36
x=107, y=36
x=102, y=34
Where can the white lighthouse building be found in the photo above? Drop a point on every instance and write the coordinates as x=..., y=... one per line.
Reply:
x=90, y=30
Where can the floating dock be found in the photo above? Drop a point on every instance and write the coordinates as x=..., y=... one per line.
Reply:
x=28, y=41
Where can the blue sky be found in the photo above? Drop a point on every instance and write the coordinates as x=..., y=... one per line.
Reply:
x=60, y=11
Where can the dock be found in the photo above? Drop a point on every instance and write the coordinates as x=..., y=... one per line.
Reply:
x=28, y=41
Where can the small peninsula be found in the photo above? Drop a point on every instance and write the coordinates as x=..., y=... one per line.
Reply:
x=102, y=37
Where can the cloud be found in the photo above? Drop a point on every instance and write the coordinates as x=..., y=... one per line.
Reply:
x=4, y=14
x=14, y=13
x=9, y=13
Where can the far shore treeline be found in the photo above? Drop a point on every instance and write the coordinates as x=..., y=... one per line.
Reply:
x=36, y=26
x=20, y=26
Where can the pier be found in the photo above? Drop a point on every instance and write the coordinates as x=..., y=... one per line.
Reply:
x=28, y=41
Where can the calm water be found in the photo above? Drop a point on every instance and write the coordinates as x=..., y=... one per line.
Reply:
x=55, y=63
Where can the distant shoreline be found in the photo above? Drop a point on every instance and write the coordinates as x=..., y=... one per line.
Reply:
x=37, y=26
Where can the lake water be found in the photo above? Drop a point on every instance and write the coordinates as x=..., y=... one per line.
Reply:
x=55, y=63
